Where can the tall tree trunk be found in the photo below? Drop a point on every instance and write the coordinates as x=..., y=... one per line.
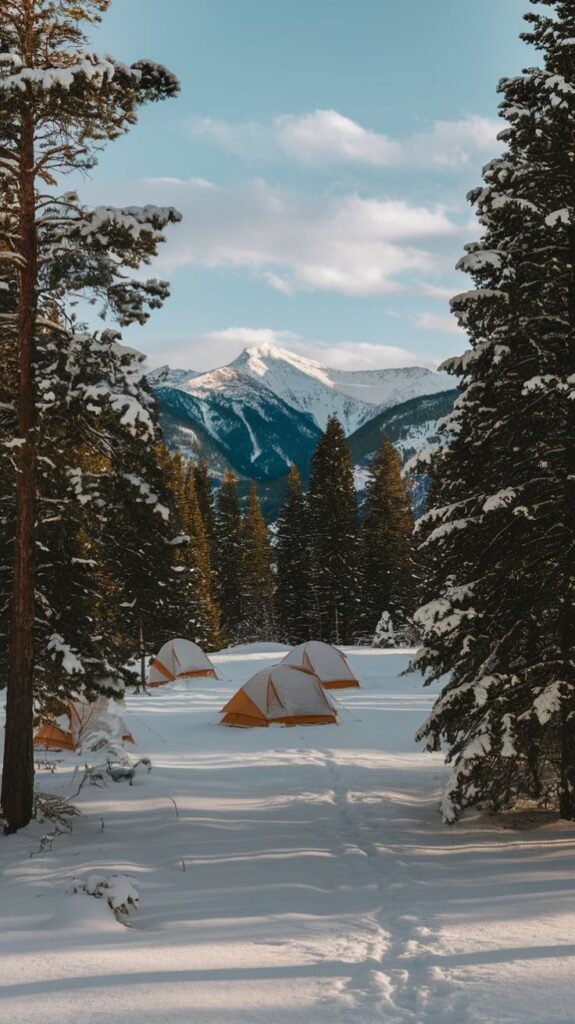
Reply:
x=18, y=770
x=567, y=770
x=142, y=684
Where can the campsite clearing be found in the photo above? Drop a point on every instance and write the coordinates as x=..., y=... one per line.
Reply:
x=286, y=876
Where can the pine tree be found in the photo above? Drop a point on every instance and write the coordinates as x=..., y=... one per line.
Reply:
x=139, y=542
x=198, y=558
x=228, y=535
x=194, y=612
x=334, y=537
x=388, y=587
x=204, y=491
x=294, y=597
x=257, y=581
x=500, y=528
x=58, y=105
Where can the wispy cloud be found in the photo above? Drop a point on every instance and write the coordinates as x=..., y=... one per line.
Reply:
x=427, y=321
x=217, y=348
x=435, y=291
x=327, y=136
x=348, y=244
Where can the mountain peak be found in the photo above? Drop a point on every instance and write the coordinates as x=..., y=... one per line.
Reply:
x=256, y=358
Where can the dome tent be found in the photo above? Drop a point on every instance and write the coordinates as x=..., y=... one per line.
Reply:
x=326, y=662
x=180, y=659
x=280, y=695
x=83, y=722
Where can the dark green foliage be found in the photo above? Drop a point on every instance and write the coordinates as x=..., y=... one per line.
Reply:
x=75, y=404
x=257, y=582
x=141, y=610
x=205, y=497
x=295, y=603
x=334, y=537
x=386, y=551
x=228, y=540
x=194, y=613
x=499, y=532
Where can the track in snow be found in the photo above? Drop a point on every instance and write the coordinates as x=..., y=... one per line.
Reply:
x=288, y=876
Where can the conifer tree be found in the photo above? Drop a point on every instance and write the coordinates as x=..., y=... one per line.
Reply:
x=204, y=491
x=139, y=544
x=500, y=528
x=294, y=597
x=388, y=583
x=228, y=535
x=198, y=559
x=194, y=615
x=334, y=537
x=58, y=105
x=257, y=581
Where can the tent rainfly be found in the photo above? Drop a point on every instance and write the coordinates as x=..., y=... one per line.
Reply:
x=326, y=662
x=281, y=695
x=180, y=659
x=82, y=721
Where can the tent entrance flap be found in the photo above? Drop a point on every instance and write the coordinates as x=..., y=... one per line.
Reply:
x=281, y=695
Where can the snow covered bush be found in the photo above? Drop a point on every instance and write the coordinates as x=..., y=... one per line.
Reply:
x=119, y=891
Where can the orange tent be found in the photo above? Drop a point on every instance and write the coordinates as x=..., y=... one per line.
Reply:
x=180, y=659
x=82, y=719
x=51, y=736
x=326, y=662
x=281, y=695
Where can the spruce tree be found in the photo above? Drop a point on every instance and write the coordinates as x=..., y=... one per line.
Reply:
x=205, y=494
x=388, y=579
x=198, y=559
x=294, y=597
x=194, y=613
x=204, y=491
x=334, y=537
x=228, y=536
x=500, y=528
x=257, y=581
x=139, y=542
x=59, y=104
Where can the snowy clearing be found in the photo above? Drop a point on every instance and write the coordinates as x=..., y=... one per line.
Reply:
x=286, y=876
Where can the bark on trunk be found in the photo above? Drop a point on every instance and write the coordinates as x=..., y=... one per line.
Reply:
x=567, y=768
x=567, y=777
x=18, y=770
x=142, y=683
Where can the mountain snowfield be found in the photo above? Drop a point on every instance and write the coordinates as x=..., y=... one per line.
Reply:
x=269, y=406
x=354, y=396
x=285, y=876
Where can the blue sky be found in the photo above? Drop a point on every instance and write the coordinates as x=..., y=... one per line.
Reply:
x=320, y=152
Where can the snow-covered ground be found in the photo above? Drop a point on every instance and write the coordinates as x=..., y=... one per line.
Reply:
x=288, y=876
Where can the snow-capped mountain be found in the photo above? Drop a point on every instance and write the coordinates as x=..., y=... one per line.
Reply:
x=235, y=421
x=268, y=407
x=353, y=396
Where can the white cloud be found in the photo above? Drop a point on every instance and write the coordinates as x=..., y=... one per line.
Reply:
x=433, y=322
x=435, y=291
x=326, y=136
x=452, y=144
x=217, y=348
x=348, y=244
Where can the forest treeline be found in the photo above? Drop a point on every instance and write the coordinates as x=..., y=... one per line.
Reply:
x=109, y=544
x=328, y=569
